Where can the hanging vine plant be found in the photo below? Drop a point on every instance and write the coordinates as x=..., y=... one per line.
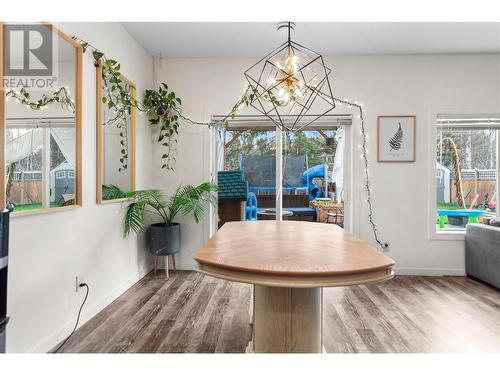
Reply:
x=116, y=97
x=60, y=96
x=161, y=107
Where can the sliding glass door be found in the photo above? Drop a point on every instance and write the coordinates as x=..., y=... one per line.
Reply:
x=289, y=174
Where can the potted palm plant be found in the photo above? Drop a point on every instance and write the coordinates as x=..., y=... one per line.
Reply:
x=165, y=235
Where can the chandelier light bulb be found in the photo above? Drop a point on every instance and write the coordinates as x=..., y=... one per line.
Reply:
x=291, y=87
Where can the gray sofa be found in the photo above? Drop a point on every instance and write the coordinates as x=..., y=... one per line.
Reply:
x=482, y=253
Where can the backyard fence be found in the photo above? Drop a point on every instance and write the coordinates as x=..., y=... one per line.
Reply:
x=25, y=187
x=483, y=187
x=25, y=191
x=478, y=181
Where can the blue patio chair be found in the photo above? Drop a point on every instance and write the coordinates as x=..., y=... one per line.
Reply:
x=251, y=207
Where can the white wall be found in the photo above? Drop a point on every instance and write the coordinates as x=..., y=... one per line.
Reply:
x=47, y=251
x=423, y=85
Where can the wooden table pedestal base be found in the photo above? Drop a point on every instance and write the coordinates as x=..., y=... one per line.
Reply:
x=287, y=320
x=288, y=265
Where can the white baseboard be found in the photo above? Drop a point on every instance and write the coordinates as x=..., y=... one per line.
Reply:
x=89, y=312
x=429, y=271
x=181, y=266
x=186, y=266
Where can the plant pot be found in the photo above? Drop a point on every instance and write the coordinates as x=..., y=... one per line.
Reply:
x=164, y=239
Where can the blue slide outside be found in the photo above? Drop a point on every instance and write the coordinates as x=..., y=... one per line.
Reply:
x=313, y=172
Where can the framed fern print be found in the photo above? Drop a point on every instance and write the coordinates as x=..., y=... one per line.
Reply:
x=396, y=138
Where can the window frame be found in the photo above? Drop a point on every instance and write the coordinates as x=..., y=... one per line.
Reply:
x=433, y=233
x=59, y=175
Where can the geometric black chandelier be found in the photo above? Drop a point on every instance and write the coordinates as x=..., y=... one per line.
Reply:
x=289, y=83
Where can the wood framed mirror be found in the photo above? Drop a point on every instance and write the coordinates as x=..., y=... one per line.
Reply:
x=41, y=144
x=115, y=142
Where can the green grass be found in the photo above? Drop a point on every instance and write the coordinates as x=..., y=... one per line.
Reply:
x=447, y=206
x=31, y=206
x=27, y=207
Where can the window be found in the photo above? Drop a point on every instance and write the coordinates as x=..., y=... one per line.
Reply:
x=466, y=170
x=41, y=146
x=37, y=155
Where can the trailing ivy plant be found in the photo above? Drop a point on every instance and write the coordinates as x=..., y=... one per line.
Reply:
x=243, y=101
x=116, y=97
x=162, y=108
x=60, y=96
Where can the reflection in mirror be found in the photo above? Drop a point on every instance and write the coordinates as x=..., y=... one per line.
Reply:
x=115, y=145
x=41, y=145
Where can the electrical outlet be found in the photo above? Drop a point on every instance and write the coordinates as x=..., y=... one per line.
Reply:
x=79, y=280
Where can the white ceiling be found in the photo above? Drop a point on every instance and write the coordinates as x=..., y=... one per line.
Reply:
x=247, y=39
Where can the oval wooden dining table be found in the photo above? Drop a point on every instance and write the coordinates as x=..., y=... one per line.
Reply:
x=289, y=263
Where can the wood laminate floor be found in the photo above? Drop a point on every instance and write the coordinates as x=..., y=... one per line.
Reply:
x=195, y=313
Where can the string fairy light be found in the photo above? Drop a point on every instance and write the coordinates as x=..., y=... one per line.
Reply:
x=62, y=96
x=363, y=148
x=62, y=93
x=363, y=156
